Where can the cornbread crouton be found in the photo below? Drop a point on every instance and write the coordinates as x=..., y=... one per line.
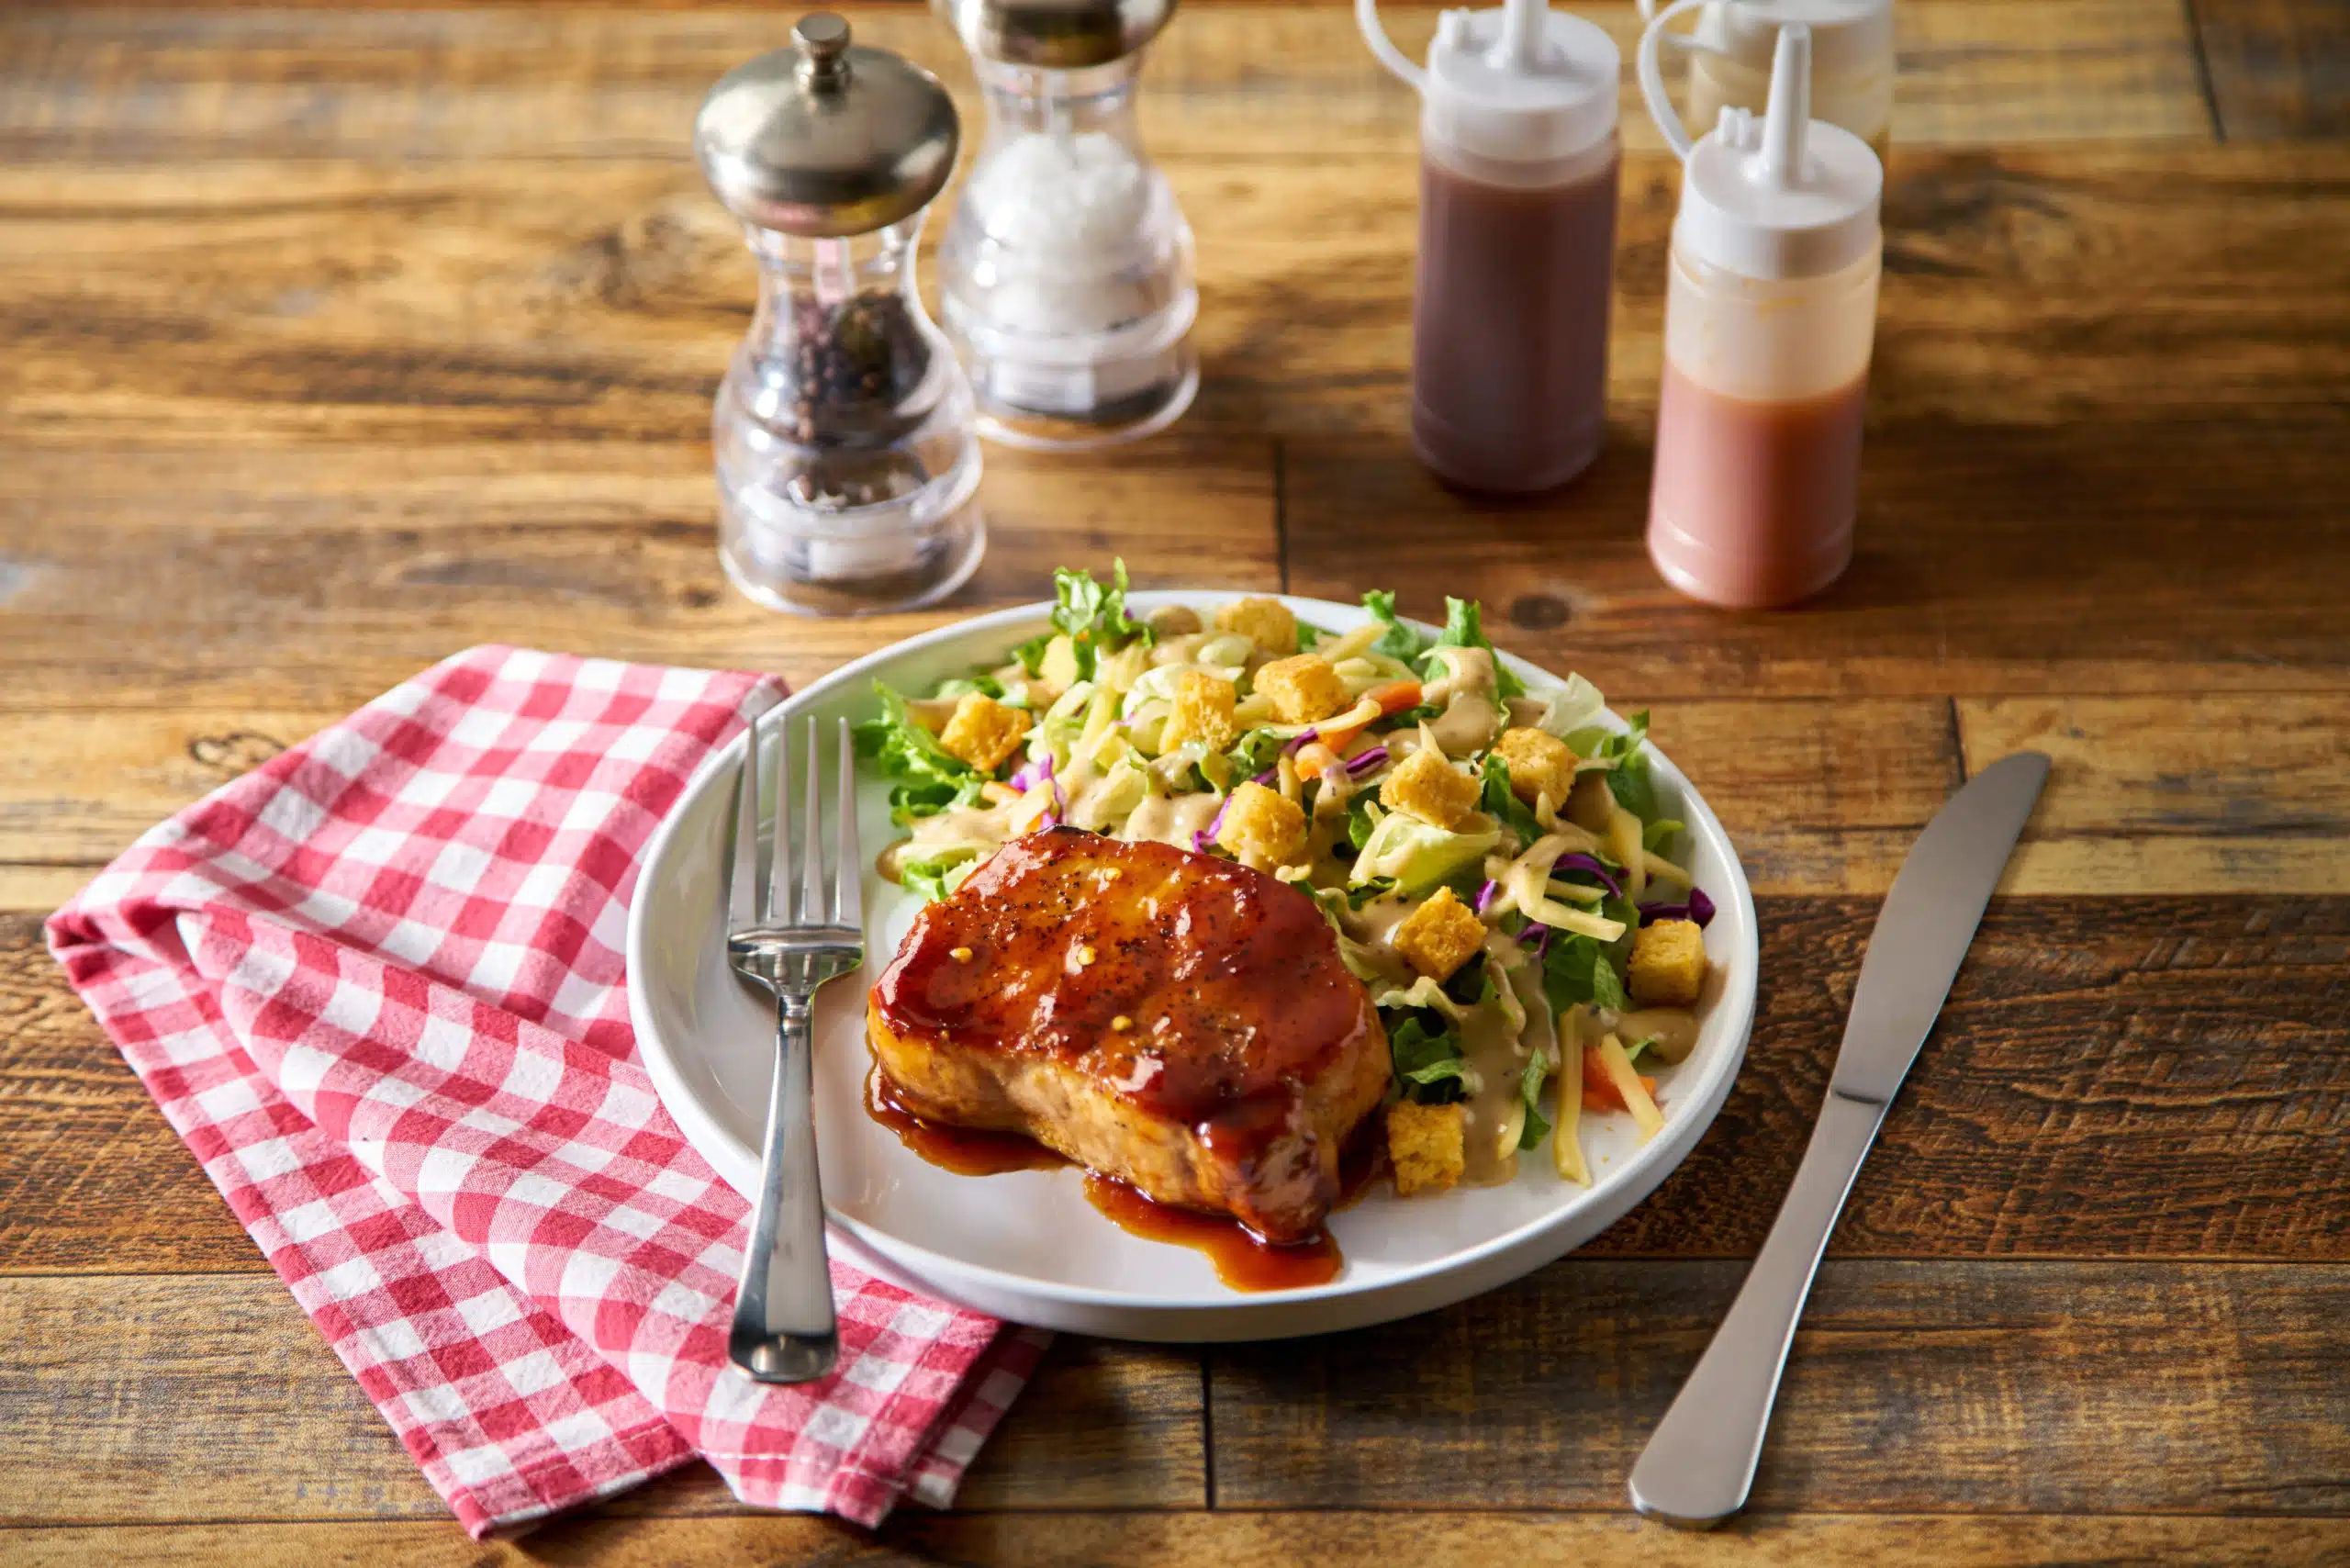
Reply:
x=1440, y=936
x=983, y=731
x=1202, y=711
x=1302, y=688
x=1668, y=964
x=1430, y=788
x=1058, y=668
x=1426, y=1146
x=1264, y=621
x=1540, y=764
x=1262, y=824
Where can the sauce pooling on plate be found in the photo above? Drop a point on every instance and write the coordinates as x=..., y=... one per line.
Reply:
x=1243, y=1259
x=966, y=1151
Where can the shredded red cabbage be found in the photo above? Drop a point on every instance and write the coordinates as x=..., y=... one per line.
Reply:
x=1298, y=744
x=1036, y=773
x=1205, y=838
x=1578, y=861
x=1366, y=761
x=1699, y=908
x=1540, y=944
x=1485, y=895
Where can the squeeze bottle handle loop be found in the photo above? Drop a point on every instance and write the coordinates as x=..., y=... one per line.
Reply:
x=1651, y=76
x=1383, y=46
x=1681, y=41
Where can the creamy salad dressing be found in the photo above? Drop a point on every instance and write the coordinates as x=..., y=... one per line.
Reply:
x=1472, y=715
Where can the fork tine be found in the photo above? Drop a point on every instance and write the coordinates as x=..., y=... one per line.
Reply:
x=743, y=881
x=848, y=866
x=811, y=880
x=776, y=910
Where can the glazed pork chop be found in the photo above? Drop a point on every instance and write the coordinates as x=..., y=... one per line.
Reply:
x=1176, y=1021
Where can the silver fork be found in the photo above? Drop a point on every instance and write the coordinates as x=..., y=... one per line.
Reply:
x=791, y=940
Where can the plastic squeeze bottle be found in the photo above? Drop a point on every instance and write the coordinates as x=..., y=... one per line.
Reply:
x=1770, y=310
x=1852, y=60
x=1518, y=242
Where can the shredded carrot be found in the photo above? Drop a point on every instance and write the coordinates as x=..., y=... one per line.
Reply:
x=1392, y=698
x=1599, y=1090
x=1313, y=757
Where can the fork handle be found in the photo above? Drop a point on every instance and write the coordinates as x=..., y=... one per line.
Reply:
x=784, y=1327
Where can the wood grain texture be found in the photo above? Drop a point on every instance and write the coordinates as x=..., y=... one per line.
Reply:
x=566, y=82
x=178, y=1397
x=1992, y=561
x=1911, y=1386
x=336, y=572
x=2279, y=68
x=1222, y=1539
x=2222, y=794
x=2113, y=1078
x=2087, y=291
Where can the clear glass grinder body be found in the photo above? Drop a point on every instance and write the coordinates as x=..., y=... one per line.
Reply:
x=1769, y=313
x=843, y=433
x=1066, y=273
x=1852, y=60
x=1518, y=177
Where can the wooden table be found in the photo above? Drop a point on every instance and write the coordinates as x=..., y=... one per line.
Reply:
x=338, y=340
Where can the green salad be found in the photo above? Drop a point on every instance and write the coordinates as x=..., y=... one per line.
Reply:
x=1496, y=862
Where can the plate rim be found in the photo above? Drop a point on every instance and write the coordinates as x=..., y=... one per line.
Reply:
x=701, y=1128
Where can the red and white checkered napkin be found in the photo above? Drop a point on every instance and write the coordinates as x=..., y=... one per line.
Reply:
x=377, y=985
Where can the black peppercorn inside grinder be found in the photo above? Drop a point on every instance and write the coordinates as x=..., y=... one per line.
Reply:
x=847, y=462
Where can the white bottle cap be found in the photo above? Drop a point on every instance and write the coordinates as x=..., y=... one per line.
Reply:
x=1784, y=197
x=1847, y=36
x=1520, y=84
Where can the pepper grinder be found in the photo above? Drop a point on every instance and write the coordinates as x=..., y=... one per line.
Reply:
x=846, y=455
x=1064, y=276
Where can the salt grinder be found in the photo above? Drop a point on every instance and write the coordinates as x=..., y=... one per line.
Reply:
x=1064, y=276
x=847, y=453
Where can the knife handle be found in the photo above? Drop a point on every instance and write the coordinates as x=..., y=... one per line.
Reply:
x=1700, y=1460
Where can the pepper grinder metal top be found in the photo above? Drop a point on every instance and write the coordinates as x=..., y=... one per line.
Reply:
x=826, y=139
x=1056, y=35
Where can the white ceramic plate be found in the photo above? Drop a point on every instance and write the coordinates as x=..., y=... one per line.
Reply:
x=1028, y=1246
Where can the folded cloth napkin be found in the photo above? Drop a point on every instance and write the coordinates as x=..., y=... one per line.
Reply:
x=377, y=984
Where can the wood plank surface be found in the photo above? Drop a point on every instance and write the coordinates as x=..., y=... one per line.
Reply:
x=2094, y=291
x=2113, y=1078
x=1435, y=1537
x=565, y=83
x=1968, y=1387
x=2279, y=68
x=192, y=1397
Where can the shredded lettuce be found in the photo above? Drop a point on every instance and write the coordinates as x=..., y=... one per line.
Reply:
x=1498, y=802
x=1094, y=618
x=1578, y=970
x=1418, y=855
x=963, y=685
x=1656, y=837
x=1426, y=1059
x=1464, y=628
x=1253, y=752
x=1577, y=705
x=1629, y=780
x=1362, y=815
x=936, y=876
x=1363, y=892
x=1397, y=641
x=1530, y=1093
x=926, y=779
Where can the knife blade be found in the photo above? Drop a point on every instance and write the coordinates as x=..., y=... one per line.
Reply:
x=1700, y=1463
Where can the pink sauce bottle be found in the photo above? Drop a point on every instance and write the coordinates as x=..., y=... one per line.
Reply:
x=1518, y=242
x=1770, y=310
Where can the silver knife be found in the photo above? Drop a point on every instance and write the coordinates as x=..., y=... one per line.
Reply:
x=1700, y=1462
